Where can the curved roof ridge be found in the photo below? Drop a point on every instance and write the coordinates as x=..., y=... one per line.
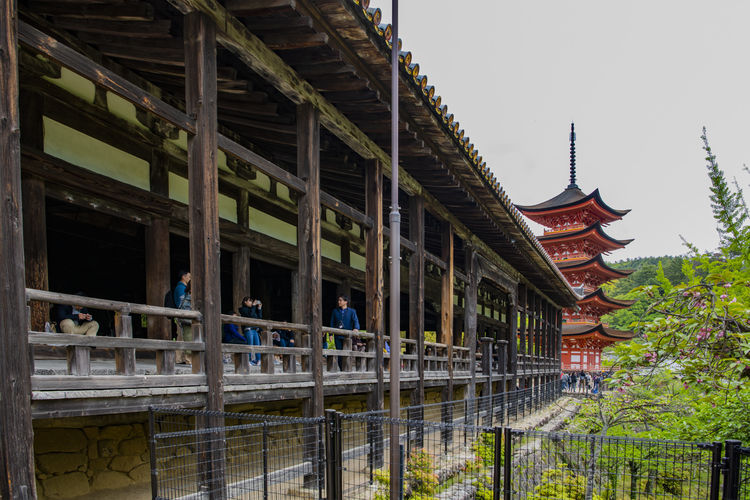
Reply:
x=605, y=331
x=571, y=197
x=599, y=294
x=451, y=126
x=599, y=260
x=595, y=227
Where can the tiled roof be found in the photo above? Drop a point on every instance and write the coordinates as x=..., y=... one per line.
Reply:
x=450, y=124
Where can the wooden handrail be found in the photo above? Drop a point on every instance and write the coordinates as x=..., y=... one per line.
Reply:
x=110, y=305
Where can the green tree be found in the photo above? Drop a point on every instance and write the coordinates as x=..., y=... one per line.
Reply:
x=693, y=354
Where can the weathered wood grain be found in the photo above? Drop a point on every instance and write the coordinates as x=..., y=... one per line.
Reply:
x=17, y=474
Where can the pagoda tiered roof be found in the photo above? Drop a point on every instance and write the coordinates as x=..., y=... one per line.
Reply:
x=586, y=336
x=572, y=206
x=590, y=273
x=587, y=242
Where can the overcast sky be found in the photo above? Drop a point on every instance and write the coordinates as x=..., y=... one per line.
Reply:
x=638, y=78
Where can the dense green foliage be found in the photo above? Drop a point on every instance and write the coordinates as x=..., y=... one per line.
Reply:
x=688, y=374
x=647, y=271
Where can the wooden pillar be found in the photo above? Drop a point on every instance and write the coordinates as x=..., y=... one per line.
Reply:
x=16, y=433
x=158, y=273
x=374, y=296
x=34, y=209
x=524, y=321
x=200, y=98
x=558, y=331
x=470, y=316
x=416, y=288
x=35, y=246
x=241, y=258
x=308, y=243
x=200, y=94
x=513, y=331
x=446, y=302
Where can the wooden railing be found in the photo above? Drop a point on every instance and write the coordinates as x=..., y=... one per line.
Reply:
x=277, y=364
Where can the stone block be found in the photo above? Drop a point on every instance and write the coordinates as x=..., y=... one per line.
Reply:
x=60, y=463
x=116, y=432
x=109, y=480
x=133, y=446
x=107, y=448
x=99, y=464
x=59, y=440
x=91, y=432
x=141, y=474
x=125, y=463
x=66, y=485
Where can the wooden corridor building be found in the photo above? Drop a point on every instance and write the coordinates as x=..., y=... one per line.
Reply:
x=247, y=141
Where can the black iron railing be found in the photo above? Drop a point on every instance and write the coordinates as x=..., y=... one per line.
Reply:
x=348, y=456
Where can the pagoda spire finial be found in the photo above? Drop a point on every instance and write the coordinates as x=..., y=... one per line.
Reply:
x=572, y=157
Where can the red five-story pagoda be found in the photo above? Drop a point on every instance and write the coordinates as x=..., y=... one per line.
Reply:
x=575, y=239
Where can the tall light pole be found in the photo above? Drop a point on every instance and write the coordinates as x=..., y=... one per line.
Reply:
x=395, y=246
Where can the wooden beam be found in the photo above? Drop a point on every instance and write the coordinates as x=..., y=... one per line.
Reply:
x=416, y=288
x=234, y=35
x=240, y=275
x=200, y=95
x=34, y=209
x=470, y=312
x=374, y=293
x=446, y=301
x=203, y=178
x=103, y=77
x=309, y=241
x=157, y=250
x=16, y=434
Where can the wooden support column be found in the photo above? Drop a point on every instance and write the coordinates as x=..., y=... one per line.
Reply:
x=16, y=433
x=559, y=343
x=308, y=243
x=35, y=246
x=200, y=100
x=241, y=257
x=200, y=93
x=157, y=251
x=513, y=332
x=524, y=321
x=416, y=288
x=470, y=316
x=34, y=209
x=446, y=302
x=374, y=291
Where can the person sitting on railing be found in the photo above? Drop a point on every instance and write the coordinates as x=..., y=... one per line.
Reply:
x=76, y=319
x=345, y=318
x=252, y=308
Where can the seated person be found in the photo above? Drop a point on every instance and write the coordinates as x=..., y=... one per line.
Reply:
x=286, y=338
x=75, y=319
x=232, y=334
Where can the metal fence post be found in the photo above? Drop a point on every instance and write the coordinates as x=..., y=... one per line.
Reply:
x=507, y=463
x=265, y=460
x=498, y=432
x=152, y=453
x=732, y=477
x=401, y=472
x=333, y=457
x=716, y=467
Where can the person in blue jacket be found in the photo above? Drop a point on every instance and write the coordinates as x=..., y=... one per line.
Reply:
x=343, y=317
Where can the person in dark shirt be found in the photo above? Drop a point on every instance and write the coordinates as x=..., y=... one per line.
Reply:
x=75, y=319
x=252, y=308
x=345, y=318
x=183, y=300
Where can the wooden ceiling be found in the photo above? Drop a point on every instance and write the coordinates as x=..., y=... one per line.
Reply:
x=338, y=48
